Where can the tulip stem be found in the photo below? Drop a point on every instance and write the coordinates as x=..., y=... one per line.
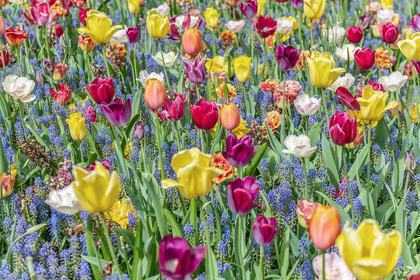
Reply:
x=241, y=260
x=21, y=111
x=306, y=178
x=178, y=142
x=323, y=266
x=262, y=261
x=348, y=185
x=164, y=65
x=111, y=248
x=160, y=163
x=2, y=60
x=369, y=152
x=105, y=60
x=324, y=102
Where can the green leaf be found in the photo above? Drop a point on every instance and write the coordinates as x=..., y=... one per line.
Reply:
x=329, y=162
x=176, y=231
x=343, y=214
x=252, y=166
x=94, y=261
x=274, y=142
x=128, y=236
x=314, y=133
x=381, y=133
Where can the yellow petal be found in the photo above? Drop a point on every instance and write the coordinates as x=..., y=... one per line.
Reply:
x=349, y=245
x=368, y=268
x=368, y=231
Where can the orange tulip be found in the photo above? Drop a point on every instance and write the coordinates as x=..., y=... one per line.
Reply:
x=155, y=94
x=324, y=227
x=2, y=26
x=192, y=42
x=229, y=116
x=3, y=3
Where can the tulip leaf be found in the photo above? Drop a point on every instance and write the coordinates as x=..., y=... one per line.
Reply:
x=274, y=142
x=359, y=163
x=384, y=212
x=284, y=253
x=368, y=203
x=128, y=130
x=329, y=162
x=252, y=166
x=94, y=261
x=176, y=231
x=343, y=214
x=381, y=133
x=315, y=132
x=4, y=165
x=127, y=235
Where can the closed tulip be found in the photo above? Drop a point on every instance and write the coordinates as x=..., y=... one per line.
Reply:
x=85, y=43
x=239, y=152
x=347, y=99
x=173, y=110
x=63, y=95
x=157, y=25
x=410, y=47
x=116, y=112
x=342, y=128
x=6, y=184
x=194, y=173
x=101, y=90
x=154, y=94
x=77, y=126
x=229, y=116
x=387, y=4
x=134, y=6
x=195, y=70
x=304, y=211
x=314, y=9
x=414, y=277
x=249, y=8
x=192, y=42
x=99, y=27
x=133, y=34
x=2, y=26
x=365, y=59
x=241, y=194
x=389, y=33
x=307, y=106
x=96, y=190
x=212, y=17
x=368, y=252
x=373, y=104
x=264, y=230
x=242, y=67
x=287, y=57
x=59, y=71
x=355, y=34
x=322, y=70
x=204, y=114
x=324, y=227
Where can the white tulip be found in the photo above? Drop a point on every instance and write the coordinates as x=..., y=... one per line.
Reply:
x=336, y=34
x=169, y=58
x=144, y=76
x=393, y=82
x=299, y=146
x=19, y=88
x=384, y=16
x=346, y=53
x=307, y=106
x=284, y=26
x=180, y=20
x=119, y=37
x=163, y=9
x=235, y=26
x=64, y=201
x=346, y=81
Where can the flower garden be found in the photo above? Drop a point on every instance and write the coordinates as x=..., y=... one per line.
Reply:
x=219, y=139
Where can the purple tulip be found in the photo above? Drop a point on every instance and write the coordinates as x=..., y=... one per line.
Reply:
x=298, y=4
x=287, y=57
x=139, y=130
x=241, y=195
x=249, y=9
x=239, y=152
x=133, y=35
x=416, y=64
x=177, y=260
x=414, y=24
x=195, y=70
x=117, y=113
x=365, y=21
x=264, y=230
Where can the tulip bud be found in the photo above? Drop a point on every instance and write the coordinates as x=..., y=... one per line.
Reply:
x=101, y=90
x=5, y=57
x=304, y=210
x=85, y=43
x=192, y=42
x=355, y=34
x=58, y=30
x=414, y=277
x=409, y=162
x=324, y=227
x=77, y=126
x=139, y=130
x=264, y=230
x=2, y=26
x=342, y=128
x=241, y=195
x=133, y=35
x=59, y=71
x=6, y=183
x=154, y=94
x=229, y=116
x=204, y=114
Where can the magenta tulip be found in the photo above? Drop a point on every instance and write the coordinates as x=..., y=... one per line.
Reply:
x=414, y=24
x=389, y=33
x=117, y=113
x=347, y=99
x=266, y=26
x=264, y=230
x=133, y=34
x=365, y=59
x=416, y=64
x=241, y=195
x=41, y=14
x=204, y=114
x=375, y=86
x=249, y=8
x=365, y=21
x=195, y=70
x=342, y=128
x=101, y=90
x=287, y=57
x=239, y=152
x=355, y=34
x=173, y=110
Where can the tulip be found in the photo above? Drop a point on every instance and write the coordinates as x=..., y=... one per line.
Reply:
x=416, y=64
x=355, y=34
x=346, y=81
x=242, y=67
x=284, y=26
x=101, y=90
x=304, y=211
x=133, y=34
x=346, y=53
x=410, y=47
x=212, y=17
x=144, y=76
x=292, y=88
x=287, y=57
x=58, y=30
x=134, y=6
x=414, y=24
x=368, y=252
x=239, y=152
x=64, y=201
x=85, y=43
x=375, y=86
x=356, y=142
x=77, y=126
x=192, y=42
x=299, y=146
x=173, y=110
x=83, y=15
x=241, y=195
x=342, y=128
x=266, y=26
x=195, y=70
x=322, y=70
x=157, y=25
x=19, y=88
x=235, y=26
x=7, y=182
x=217, y=64
x=387, y=4
x=105, y=163
x=229, y=116
x=365, y=59
x=314, y=9
x=154, y=94
x=177, y=260
x=232, y=2
x=409, y=162
x=365, y=21
x=96, y=190
x=336, y=34
x=99, y=27
x=59, y=71
x=307, y=106
x=2, y=26
x=389, y=33
x=324, y=227
x=384, y=16
x=163, y=9
x=347, y=99
x=5, y=57
x=119, y=37
x=260, y=9
x=63, y=95
x=249, y=8
x=393, y=82
x=78, y=3
x=335, y=268
x=40, y=15
x=194, y=173
x=298, y=4
x=372, y=104
x=414, y=277
x=3, y=3
x=117, y=113
x=169, y=58
x=264, y=230
x=204, y=114
x=139, y=130
x=15, y=36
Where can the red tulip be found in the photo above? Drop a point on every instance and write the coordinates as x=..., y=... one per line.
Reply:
x=266, y=26
x=173, y=110
x=414, y=277
x=324, y=227
x=204, y=114
x=241, y=195
x=365, y=59
x=342, y=128
x=15, y=36
x=264, y=230
x=63, y=95
x=389, y=33
x=58, y=30
x=355, y=34
x=5, y=57
x=101, y=90
x=83, y=15
x=347, y=99
x=375, y=86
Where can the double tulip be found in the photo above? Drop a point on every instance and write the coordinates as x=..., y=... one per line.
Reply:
x=195, y=70
x=99, y=27
x=287, y=57
x=324, y=227
x=342, y=128
x=157, y=25
x=314, y=9
x=173, y=110
x=116, y=112
x=239, y=152
x=101, y=90
x=304, y=211
x=15, y=36
x=242, y=67
x=63, y=95
x=204, y=114
x=241, y=194
x=322, y=70
x=365, y=59
x=373, y=104
x=77, y=126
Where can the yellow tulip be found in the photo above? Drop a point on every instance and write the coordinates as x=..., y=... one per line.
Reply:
x=372, y=104
x=410, y=47
x=217, y=64
x=368, y=252
x=97, y=190
x=77, y=126
x=242, y=66
x=322, y=70
x=158, y=26
x=260, y=5
x=194, y=173
x=241, y=130
x=134, y=6
x=99, y=27
x=314, y=9
x=212, y=17
x=387, y=4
